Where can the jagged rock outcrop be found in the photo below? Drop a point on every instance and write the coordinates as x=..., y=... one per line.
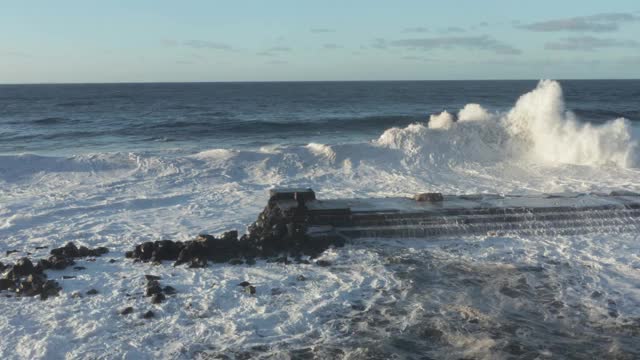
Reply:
x=26, y=279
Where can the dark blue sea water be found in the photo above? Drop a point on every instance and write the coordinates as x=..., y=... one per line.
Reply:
x=70, y=119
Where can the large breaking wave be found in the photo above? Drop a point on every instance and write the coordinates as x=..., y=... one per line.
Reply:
x=538, y=129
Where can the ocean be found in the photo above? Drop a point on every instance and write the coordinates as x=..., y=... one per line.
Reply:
x=118, y=164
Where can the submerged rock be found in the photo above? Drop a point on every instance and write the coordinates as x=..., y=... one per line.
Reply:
x=148, y=315
x=92, y=292
x=126, y=311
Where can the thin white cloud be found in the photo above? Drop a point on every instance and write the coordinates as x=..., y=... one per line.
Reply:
x=417, y=29
x=197, y=44
x=481, y=42
x=590, y=43
x=322, y=30
x=606, y=22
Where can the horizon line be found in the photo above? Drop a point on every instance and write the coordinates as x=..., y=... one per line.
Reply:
x=300, y=81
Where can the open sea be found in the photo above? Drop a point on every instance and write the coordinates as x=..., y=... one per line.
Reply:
x=118, y=164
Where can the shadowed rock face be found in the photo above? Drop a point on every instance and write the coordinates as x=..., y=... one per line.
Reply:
x=27, y=279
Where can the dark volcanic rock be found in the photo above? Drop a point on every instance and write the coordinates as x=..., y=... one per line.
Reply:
x=244, y=284
x=50, y=288
x=30, y=280
x=169, y=290
x=153, y=290
x=126, y=311
x=148, y=315
x=323, y=263
x=79, y=268
x=277, y=233
x=6, y=284
x=9, y=252
x=158, y=298
x=92, y=292
x=23, y=267
x=152, y=277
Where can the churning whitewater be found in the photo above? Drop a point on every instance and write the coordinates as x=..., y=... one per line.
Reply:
x=474, y=297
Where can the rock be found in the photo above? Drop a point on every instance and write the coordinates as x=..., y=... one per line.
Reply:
x=76, y=295
x=59, y=262
x=244, y=284
x=69, y=250
x=152, y=277
x=24, y=267
x=79, y=268
x=169, y=290
x=236, y=262
x=6, y=284
x=153, y=290
x=158, y=298
x=229, y=236
x=2, y=267
x=68, y=277
x=250, y=290
x=99, y=251
x=92, y=292
x=250, y=261
x=41, y=247
x=9, y=252
x=323, y=263
x=596, y=294
x=146, y=251
x=50, y=288
x=84, y=251
x=126, y=311
x=198, y=263
x=301, y=278
x=430, y=197
x=111, y=261
x=148, y=315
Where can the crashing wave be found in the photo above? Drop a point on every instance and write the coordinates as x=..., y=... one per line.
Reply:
x=538, y=128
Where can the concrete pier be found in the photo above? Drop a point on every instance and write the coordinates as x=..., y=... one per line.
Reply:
x=432, y=215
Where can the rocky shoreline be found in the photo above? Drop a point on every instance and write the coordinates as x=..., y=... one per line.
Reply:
x=25, y=278
x=274, y=236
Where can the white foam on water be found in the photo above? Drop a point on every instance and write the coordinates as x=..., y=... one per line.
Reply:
x=121, y=199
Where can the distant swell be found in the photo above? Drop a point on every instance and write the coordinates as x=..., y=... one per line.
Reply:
x=50, y=120
x=76, y=104
x=261, y=126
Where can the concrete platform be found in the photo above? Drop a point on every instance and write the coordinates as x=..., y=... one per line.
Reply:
x=435, y=215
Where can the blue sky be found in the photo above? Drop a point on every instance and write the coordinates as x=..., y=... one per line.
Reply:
x=134, y=40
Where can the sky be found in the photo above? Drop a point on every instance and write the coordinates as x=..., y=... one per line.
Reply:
x=70, y=41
